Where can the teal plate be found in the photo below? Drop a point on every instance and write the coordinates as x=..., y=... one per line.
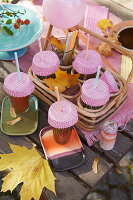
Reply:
x=20, y=39
x=29, y=122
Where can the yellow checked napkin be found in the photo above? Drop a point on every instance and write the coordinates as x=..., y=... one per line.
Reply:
x=126, y=66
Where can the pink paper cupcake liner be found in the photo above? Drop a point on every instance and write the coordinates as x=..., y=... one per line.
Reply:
x=95, y=97
x=45, y=63
x=108, y=78
x=62, y=119
x=89, y=66
x=16, y=88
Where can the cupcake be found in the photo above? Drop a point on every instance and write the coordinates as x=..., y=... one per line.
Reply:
x=108, y=78
x=94, y=98
x=62, y=121
x=87, y=67
x=45, y=64
x=19, y=90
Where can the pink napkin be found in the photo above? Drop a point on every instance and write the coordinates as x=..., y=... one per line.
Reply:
x=93, y=14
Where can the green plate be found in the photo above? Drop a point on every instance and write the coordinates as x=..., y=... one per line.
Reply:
x=29, y=123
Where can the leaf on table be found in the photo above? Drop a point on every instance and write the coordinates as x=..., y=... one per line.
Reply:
x=12, y=111
x=95, y=165
x=57, y=43
x=14, y=121
x=29, y=168
x=103, y=24
x=106, y=49
x=118, y=170
x=62, y=80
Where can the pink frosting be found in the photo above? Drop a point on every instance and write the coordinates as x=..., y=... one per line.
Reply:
x=62, y=119
x=89, y=66
x=45, y=63
x=108, y=78
x=95, y=97
x=16, y=88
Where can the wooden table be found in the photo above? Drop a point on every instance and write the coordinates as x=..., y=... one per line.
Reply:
x=74, y=184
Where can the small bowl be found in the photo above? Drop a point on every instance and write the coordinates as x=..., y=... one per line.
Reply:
x=125, y=37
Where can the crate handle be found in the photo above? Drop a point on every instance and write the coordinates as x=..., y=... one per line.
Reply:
x=117, y=47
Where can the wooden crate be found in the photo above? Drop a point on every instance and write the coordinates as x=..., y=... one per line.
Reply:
x=89, y=119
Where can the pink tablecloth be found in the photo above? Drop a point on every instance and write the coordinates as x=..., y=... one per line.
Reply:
x=26, y=60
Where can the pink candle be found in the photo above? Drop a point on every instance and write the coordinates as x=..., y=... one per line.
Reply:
x=108, y=135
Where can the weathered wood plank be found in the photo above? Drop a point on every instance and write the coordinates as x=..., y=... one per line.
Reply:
x=124, y=3
x=67, y=187
x=122, y=146
x=16, y=140
x=118, y=9
x=2, y=94
x=128, y=131
x=85, y=171
x=8, y=66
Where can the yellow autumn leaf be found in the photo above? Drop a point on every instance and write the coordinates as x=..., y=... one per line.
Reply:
x=62, y=80
x=29, y=168
x=104, y=23
x=57, y=43
x=95, y=165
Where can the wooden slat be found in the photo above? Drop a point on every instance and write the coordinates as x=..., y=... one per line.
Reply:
x=117, y=8
x=85, y=171
x=122, y=146
x=67, y=187
x=128, y=131
x=2, y=94
x=9, y=67
x=42, y=122
x=16, y=140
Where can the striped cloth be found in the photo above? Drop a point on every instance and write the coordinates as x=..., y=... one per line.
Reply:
x=93, y=14
x=126, y=66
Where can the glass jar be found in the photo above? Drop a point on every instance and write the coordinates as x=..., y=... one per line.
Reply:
x=62, y=136
x=108, y=135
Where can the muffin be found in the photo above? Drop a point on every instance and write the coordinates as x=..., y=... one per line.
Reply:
x=87, y=68
x=19, y=91
x=108, y=78
x=45, y=64
x=94, y=98
x=62, y=121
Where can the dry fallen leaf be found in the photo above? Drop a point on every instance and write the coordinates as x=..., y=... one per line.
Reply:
x=95, y=165
x=14, y=121
x=105, y=49
x=103, y=24
x=57, y=43
x=29, y=168
x=62, y=80
x=118, y=170
x=12, y=111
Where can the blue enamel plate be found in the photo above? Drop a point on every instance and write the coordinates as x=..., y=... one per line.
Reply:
x=24, y=36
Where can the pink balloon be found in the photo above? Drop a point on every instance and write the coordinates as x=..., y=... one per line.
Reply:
x=64, y=13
